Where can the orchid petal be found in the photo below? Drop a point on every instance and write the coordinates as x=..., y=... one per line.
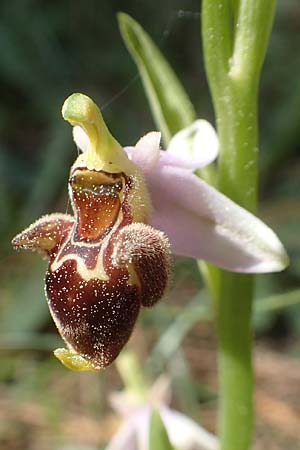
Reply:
x=80, y=138
x=203, y=223
x=147, y=151
x=126, y=436
x=183, y=432
x=148, y=162
x=191, y=148
x=196, y=146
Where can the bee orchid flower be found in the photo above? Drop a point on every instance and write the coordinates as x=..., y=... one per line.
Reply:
x=132, y=208
x=105, y=261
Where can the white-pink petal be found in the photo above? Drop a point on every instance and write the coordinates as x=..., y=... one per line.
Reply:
x=196, y=146
x=147, y=151
x=80, y=138
x=183, y=432
x=126, y=436
x=203, y=223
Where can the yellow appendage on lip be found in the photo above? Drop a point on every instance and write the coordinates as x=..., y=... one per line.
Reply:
x=104, y=152
x=73, y=360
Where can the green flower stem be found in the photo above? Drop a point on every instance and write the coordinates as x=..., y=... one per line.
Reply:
x=235, y=37
x=233, y=318
x=132, y=374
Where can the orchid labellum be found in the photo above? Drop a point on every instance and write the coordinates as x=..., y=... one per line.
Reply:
x=107, y=260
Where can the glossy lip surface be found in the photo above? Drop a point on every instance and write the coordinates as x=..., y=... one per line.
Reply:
x=96, y=198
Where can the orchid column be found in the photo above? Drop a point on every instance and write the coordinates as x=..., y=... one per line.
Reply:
x=235, y=37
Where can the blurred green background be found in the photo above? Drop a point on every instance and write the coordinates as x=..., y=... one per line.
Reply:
x=49, y=49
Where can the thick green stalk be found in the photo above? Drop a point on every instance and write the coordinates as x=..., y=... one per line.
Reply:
x=235, y=36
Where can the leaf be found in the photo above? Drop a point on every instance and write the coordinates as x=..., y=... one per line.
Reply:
x=278, y=301
x=171, y=106
x=158, y=437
